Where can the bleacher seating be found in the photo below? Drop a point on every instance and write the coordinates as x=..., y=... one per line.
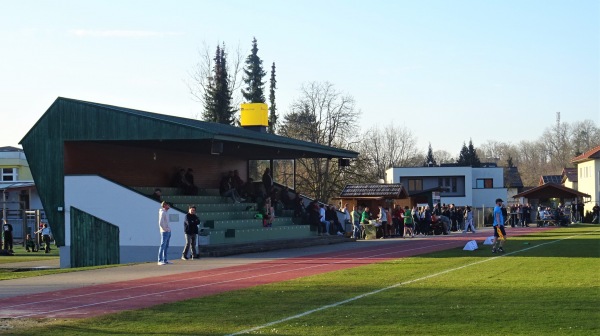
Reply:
x=230, y=223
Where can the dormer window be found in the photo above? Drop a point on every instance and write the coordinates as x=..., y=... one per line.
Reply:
x=8, y=174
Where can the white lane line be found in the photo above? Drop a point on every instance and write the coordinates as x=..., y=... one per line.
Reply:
x=333, y=305
x=54, y=311
x=271, y=264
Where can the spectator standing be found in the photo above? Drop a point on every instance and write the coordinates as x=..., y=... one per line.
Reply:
x=267, y=180
x=46, y=238
x=408, y=223
x=366, y=216
x=383, y=219
x=469, y=220
x=580, y=211
x=165, y=233
x=356, y=232
x=347, y=215
x=499, y=232
x=427, y=219
x=190, y=228
x=398, y=219
x=574, y=212
x=596, y=212
x=7, y=234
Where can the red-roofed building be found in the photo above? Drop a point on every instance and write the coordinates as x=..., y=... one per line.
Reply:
x=588, y=175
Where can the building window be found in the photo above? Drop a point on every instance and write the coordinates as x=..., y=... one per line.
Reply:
x=484, y=183
x=448, y=182
x=9, y=174
x=415, y=185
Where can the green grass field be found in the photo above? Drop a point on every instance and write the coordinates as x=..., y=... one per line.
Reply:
x=545, y=284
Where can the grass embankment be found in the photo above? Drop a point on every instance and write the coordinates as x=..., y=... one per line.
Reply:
x=546, y=283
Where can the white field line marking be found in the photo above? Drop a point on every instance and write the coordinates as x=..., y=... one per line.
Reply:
x=333, y=305
x=272, y=264
x=50, y=312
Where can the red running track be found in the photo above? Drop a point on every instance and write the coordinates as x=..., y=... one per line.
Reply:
x=135, y=294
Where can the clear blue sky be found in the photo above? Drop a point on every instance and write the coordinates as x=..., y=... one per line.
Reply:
x=449, y=70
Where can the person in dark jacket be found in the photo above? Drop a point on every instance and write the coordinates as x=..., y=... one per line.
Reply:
x=190, y=228
x=267, y=180
x=7, y=234
x=157, y=195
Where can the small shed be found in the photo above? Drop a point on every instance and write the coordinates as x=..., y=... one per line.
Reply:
x=374, y=195
x=551, y=193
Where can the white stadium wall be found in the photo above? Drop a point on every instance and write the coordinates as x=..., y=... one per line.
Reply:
x=136, y=216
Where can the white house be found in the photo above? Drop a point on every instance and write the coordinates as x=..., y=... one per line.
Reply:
x=463, y=185
x=588, y=175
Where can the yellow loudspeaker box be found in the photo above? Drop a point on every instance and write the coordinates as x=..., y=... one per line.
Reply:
x=254, y=114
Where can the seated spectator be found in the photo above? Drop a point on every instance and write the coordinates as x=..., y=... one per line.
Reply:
x=267, y=212
x=298, y=205
x=30, y=244
x=157, y=195
x=227, y=190
x=178, y=180
x=446, y=223
x=323, y=219
x=190, y=187
x=286, y=200
x=332, y=217
x=238, y=183
x=248, y=191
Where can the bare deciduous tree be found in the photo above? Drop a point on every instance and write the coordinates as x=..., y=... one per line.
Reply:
x=201, y=74
x=584, y=136
x=443, y=156
x=392, y=146
x=326, y=116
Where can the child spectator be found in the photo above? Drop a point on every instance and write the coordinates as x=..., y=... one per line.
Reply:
x=30, y=244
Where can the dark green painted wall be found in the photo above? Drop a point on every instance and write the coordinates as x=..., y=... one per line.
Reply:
x=94, y=242
x=71, y=120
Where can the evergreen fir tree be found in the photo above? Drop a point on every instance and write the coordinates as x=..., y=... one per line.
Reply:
x=463, y=156
x=272, y=106
x=253, y=75
x=430, y=159
x=473, y=157
x=217, y=107
x=468, y=156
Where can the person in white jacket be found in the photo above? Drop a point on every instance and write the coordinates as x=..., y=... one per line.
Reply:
x=469, y=220
x=165, y=233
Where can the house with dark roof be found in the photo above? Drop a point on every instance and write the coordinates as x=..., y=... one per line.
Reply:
x=556, y=179
x=569, y=178
x=512, y=181
x=373, y=195
x=95, y=164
